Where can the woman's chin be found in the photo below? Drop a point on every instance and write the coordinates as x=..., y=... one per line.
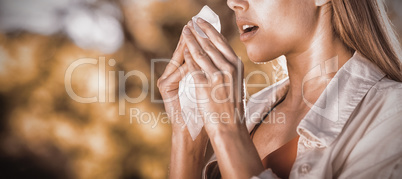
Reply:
x=260, y=58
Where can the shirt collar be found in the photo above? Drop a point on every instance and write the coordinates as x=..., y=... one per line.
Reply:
x=327, y=117
x=329, y=114
x=261, y=102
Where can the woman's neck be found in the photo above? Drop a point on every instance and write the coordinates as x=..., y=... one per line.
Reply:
x=311, y=68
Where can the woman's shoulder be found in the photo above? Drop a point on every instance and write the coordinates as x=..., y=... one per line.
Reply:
x=388, y=84
x=374, y=133
x=388, y=90
x=384, y=99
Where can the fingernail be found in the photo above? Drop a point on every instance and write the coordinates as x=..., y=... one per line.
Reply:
x=190, y=23
x=200, y=20
x=186, y=30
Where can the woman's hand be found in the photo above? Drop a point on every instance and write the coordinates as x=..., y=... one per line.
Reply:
x=218, y=75
x=187, y=156
x=168, y=85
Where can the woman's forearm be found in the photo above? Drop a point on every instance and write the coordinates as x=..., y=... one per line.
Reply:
x=187, y=156
x=236, y=153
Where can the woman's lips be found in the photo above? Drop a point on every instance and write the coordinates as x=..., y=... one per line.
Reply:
x=247, y=28
x=245, y=36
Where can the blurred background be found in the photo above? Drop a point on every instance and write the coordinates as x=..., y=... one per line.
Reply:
x=44, y=133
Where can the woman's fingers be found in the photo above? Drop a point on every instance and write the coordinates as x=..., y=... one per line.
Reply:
x=218, y=40
x=193, y=67
x=177, y=59
x=169, y=85
x=223, y=55
x=201, y=81
x=216, y=56
x=198, y=53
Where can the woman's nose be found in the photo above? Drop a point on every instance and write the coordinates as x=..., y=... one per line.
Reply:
x=238, y=5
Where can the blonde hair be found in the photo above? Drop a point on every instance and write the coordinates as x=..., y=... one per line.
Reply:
x=364, y=26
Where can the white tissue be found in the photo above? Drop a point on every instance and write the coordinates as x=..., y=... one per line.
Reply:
x=210, y=16
x=189, y=108
x=187, y=95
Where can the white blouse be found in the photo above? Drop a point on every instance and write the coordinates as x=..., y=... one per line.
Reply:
x=354, y=130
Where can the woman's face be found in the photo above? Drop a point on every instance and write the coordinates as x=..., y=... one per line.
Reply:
x=271, y=28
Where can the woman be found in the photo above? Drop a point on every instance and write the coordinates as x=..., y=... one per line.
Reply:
x=341, y=101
